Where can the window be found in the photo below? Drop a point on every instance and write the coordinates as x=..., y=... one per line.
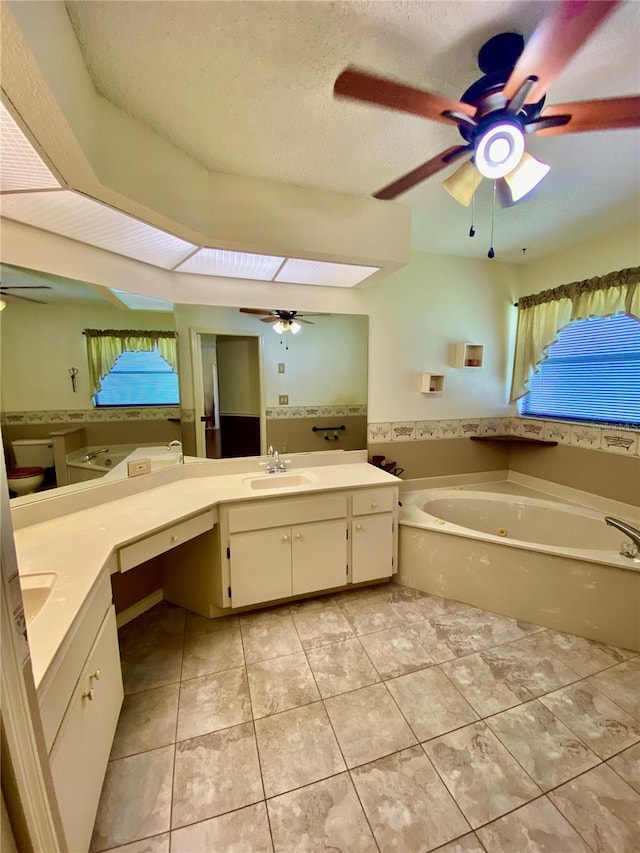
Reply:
x=139, y=379
x=591, y=373
x=129, y=367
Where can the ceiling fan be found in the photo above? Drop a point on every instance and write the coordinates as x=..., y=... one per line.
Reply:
x=494, y=115
x=284, y=321
x=7, y=290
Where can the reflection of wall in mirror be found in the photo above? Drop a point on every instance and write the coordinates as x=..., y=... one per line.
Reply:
x=39, y=344
x=325, y=375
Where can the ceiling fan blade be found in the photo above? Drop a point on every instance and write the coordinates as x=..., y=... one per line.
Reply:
x=556, y=39
x=383, y=92
x=463, y=183
x=406, y=182
x=299, y=319
x=4, y=288
x=270, y=319
x=604, y=114
x=261, y=311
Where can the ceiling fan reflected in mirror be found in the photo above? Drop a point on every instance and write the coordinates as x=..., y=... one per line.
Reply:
x=497, y=112
x=6, y=290
x=283, y=321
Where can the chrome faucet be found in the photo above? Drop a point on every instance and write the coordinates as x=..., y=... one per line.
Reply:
x=93, y=453
x=632, y=532
x=176, y=445
x=275, y=465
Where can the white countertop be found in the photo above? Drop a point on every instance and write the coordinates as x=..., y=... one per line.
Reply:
x=76, y=543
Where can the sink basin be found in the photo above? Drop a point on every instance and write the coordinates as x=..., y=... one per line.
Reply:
x=278, y=481
x=36, y=589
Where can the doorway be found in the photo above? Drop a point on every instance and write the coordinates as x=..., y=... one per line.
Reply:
x=227, y=387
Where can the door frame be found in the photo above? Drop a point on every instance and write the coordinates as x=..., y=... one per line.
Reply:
x=197, y=383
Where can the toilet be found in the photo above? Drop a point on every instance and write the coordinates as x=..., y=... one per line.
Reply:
x=32, y=456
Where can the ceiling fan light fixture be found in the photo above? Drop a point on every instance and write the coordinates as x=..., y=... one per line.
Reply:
x=294, y=327
x=526, y=176
x=463, y=183
x=280, y=327
x=499, y=149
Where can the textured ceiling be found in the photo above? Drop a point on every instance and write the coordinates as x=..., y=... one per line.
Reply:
x=246, y=88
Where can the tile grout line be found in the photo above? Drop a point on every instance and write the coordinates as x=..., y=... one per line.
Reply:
x=407, y=624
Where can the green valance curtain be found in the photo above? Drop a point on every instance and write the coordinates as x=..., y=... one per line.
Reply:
x=105, y=346
x=542, y=315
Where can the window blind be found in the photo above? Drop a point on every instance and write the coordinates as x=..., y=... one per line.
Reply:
x=592, y=373
x=139, y=379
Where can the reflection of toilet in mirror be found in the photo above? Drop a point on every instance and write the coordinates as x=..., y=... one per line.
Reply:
x=33, y=456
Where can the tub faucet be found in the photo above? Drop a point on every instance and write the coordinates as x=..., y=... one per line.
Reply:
x=632, y=532
x=93, y=453
x=177, y=446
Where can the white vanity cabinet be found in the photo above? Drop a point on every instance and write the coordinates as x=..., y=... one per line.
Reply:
x=80, y=702
x=279, y=548
x=373, y=534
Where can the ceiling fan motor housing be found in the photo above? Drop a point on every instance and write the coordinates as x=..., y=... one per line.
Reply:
x=497, y=59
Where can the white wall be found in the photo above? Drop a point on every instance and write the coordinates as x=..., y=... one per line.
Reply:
x=416, y=315
x=594, y=257
x=39, y=343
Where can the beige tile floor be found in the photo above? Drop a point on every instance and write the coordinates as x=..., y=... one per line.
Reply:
x=373, y=720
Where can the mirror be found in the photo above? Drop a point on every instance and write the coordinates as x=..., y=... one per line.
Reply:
x=256, y=388
x=324, y=380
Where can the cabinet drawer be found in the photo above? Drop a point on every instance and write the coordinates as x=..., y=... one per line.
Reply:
x=61, y=678
x=277, y=513
x=138, y=552
x=81, y=751
x=373, y=501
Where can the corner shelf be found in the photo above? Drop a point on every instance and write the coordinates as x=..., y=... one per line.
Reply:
x=514, y=439
x=468, y=355
x=432, y=383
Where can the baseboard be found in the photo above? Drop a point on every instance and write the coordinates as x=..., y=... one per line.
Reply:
x=139, y=607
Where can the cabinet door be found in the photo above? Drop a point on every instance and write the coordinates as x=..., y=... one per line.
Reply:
x=81, y=750
x=260, y=566
x=372, y=547
x=319, y=556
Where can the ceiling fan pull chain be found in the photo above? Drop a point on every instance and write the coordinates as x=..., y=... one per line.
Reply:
x=472, y=230
x=491, y=253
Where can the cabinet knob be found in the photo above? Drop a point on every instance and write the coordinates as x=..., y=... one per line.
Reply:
x=95, y=675
x=88, y=695
x=374, y=504
x=298, y=535
x=174, y=538
x=285, y=538
x=358, y=527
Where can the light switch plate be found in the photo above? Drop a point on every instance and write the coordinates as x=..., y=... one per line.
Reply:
x=281, y=367
x=138, y=466
x=283, y=400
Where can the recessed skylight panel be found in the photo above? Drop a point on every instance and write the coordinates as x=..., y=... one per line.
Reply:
x=80, y=218
x=298, y=271
x=20, y=166
x=232, y=264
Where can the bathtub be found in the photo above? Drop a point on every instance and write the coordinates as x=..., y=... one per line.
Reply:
x=107, y=460
x=552, y=563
